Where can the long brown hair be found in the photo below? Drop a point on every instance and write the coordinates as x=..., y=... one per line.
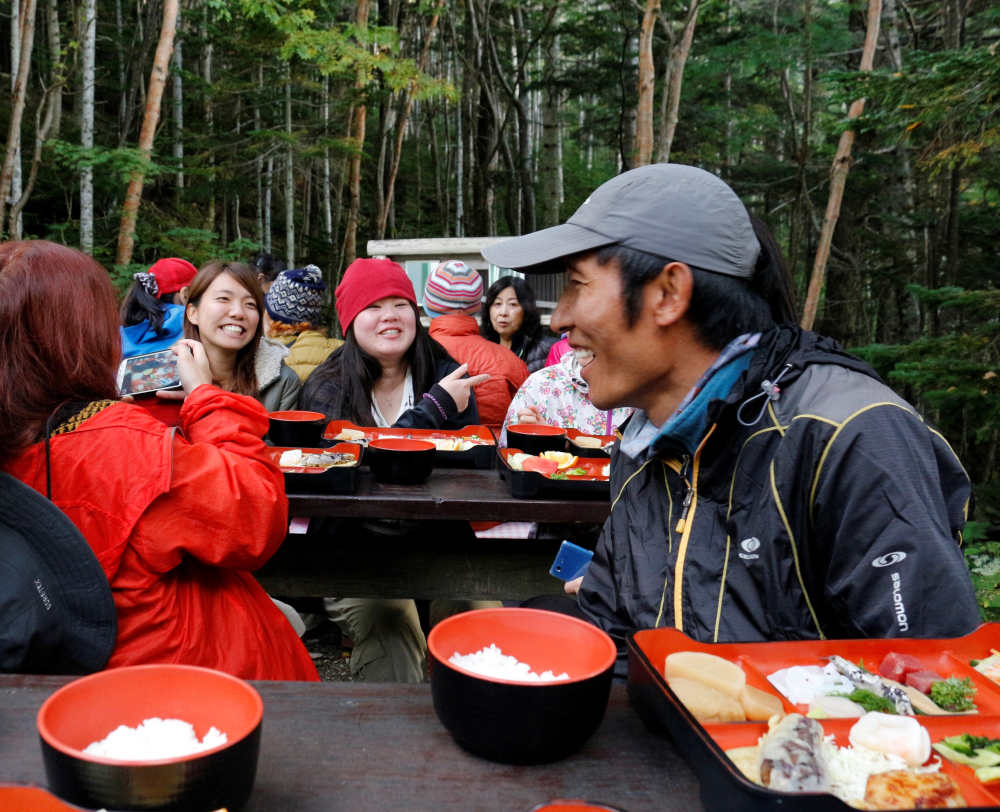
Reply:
x=59, y=340
x=245, y=376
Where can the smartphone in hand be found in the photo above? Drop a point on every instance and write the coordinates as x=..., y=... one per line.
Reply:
x=148, y=373
x=571, y=561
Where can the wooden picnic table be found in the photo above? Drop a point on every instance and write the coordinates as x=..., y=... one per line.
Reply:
x=378, y=748
x=428, y=566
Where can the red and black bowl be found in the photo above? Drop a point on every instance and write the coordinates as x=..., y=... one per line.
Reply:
x=534, y=439
x=574, y=806
x=521, y=722
x=401, y=462
x=88, y=709
x=296, y=429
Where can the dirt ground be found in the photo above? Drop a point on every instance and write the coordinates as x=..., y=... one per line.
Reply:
x=331, y=658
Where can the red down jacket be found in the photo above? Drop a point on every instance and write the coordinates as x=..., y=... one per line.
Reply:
x=177, y=522
x=460, y=336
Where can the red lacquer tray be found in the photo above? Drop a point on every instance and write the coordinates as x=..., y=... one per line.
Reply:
x=572, y=446
x=723, y=786
x=481, y=455
x=530, y=484
x=341, y=479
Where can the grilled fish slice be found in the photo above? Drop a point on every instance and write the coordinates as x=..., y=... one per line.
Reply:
x=902, y=789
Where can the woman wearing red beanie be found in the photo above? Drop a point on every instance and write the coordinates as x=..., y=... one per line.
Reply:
x=389, y=372
x=153, y=311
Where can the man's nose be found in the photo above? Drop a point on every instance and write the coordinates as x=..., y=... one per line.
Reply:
x=561, y=321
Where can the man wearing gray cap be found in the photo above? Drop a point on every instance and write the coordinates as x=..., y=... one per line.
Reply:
x=770, y=486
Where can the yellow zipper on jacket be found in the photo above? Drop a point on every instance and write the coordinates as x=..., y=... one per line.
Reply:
x=684, y=528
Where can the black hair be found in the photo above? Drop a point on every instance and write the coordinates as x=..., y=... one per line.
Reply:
x=341, y=387
x=722, y=307
x=531, y=326
x=269, y=266
x=140, y=305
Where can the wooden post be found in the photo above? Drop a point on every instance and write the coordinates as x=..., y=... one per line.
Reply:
x=157, y=81
x=838, y=174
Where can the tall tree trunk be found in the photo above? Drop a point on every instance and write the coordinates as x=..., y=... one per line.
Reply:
x=16, y=35
x=259, y=160
x=206, y=67
x=157, y=81
x=550, y=171
x=267, y=204
x=56, y=69
x=460, y=167
x=122, y=123
x=675, y=72
x=401, y=125
x=41, y=133
x=178, y=105
x=358, y=142
x=647, y=85
x=838, y=174
x=87, y=127
x=289, y=174
x=12, y=160
x=327, y=203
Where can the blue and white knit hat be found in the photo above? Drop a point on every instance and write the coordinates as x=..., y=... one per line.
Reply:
x=453, y=287
x=297, y=296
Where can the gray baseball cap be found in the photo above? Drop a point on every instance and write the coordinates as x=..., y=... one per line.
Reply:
x=676, y=212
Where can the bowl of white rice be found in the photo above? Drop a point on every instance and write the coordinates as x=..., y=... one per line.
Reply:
x=520, y=686
x=153, y=737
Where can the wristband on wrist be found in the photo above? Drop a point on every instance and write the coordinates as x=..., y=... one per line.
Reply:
x=435, y=401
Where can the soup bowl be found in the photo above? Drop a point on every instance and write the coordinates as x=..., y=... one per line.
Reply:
x=534, y=439
x=296, y=429
x=401, y=462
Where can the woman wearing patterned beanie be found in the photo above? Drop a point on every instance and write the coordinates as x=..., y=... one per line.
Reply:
x=294, y=310
x=452, y=296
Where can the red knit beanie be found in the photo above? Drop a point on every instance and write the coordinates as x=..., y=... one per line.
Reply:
x=366, y=281
x=172, y=274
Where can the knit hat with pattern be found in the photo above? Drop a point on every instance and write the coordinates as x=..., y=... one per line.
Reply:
x=453, y=287
x=297, y=296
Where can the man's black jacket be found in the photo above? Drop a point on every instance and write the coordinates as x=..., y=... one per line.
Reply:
x=839, y=514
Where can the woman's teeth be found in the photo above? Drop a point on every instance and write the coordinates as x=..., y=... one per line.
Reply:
x=389, y=333
x=583, y=356
x=233, y=329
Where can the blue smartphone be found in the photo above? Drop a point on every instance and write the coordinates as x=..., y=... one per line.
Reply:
x=571, y=561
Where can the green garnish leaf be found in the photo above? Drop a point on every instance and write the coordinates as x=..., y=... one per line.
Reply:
x=871, y=702
x=954, y=694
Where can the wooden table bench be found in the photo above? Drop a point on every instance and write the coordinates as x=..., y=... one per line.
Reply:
x=489, y=569
x=380, y=748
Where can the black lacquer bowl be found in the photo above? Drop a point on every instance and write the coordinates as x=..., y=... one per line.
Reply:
x=401, y=462
x=88, y=709
x=521, y=722
x=296, y=429
x=535, y=439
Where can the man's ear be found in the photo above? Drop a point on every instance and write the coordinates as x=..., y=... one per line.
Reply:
x=669, y=294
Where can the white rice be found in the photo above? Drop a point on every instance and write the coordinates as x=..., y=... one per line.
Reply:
x=155, y=739
x=492, y=662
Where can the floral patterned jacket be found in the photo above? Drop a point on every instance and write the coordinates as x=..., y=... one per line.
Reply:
x=560, y=394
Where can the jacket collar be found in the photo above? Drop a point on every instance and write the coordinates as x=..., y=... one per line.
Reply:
x=267, y=361
x=454, y=324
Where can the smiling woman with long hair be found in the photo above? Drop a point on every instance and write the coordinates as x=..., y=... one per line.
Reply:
x=223, y=312
x=159, y=507
x=510, y=317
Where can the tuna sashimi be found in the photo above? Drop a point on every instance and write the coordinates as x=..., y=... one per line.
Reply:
x=896, y=666
x=923, y=680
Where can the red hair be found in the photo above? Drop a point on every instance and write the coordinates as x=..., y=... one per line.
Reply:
x=59, y=339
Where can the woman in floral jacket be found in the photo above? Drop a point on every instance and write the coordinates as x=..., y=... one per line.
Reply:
x=558, y=396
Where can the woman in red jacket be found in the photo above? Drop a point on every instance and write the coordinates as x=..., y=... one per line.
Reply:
x=177, y=518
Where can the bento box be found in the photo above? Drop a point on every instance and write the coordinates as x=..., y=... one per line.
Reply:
x=573, y=437
x=593, y=483
x=724, y=785
x=473, y=445
x=342, y=479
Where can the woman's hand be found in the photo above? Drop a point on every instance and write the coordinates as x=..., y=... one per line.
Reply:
x=459, y=387
x=192, y=366
x=530, y=415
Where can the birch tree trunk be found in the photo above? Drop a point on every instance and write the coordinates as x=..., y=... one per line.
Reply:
x=206, y=67
x=289, y=175
x=157, y=82
x=675, y=72
x=178, y=104
x=550, y=171
x=647, y=86
x=16, y=29
x=87, y=126
x=259, y=160
x=401, y=126
x=358, y=139
x=327, y=202
x=56, y=70
x=838, y=174
x=12, y=162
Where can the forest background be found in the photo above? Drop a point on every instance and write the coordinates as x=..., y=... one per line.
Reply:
x=306, y=127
